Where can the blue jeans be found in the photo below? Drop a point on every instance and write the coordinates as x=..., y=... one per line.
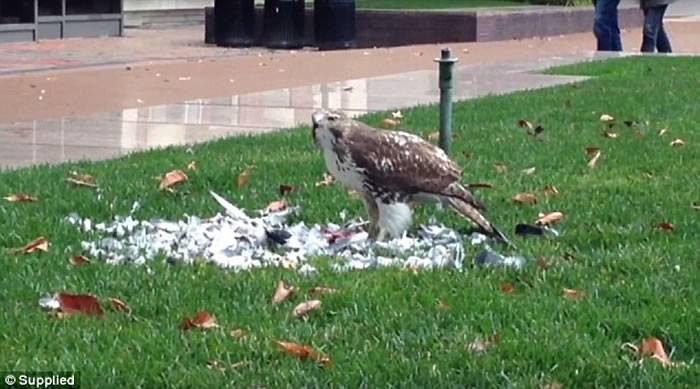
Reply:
x=606, y=26
x=654, y=34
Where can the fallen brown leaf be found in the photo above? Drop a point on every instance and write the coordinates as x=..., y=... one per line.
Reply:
x=441, y=305
x=79, y=303
x=542, y=263
x=326, y=181
x=38, y=244
x=507, y=287
x=389, y=123
x=202, y=320
x=282, y=293
x=321, y=290
x=79, y=179
x=549, y=218
x=119, y=305
x=78, y=260
x=500, y=168
x=304, y=352
x=277, y=206
x=572, y=294
x=481, y=345
x=550, y=190
x=654, y=348
x=666, y=226
x=610, y=135
x=285, y=189
x=20, y=198
x=594, y=160
x=522, y=123
x=305, y=308
x=244, y=176
x=525, y=198
x=678, y=143
x=172, y=178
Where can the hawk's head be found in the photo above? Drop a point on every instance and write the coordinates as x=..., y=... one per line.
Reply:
x=327, y=123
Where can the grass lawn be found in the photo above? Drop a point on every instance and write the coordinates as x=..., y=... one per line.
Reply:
x=384, y=328
x=435, y=4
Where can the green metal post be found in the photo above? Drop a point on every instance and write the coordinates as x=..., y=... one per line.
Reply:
x=446, y=62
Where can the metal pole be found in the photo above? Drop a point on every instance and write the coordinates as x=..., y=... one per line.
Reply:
x=446, y=62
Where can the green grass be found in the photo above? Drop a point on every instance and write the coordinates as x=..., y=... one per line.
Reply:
x=383, y=328
x=436, y=4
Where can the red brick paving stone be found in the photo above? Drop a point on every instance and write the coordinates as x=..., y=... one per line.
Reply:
x=105, y=88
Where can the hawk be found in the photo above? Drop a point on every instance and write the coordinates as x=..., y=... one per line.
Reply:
x=391, y=169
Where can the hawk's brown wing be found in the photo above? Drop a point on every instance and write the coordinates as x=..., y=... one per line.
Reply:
x=404, y=163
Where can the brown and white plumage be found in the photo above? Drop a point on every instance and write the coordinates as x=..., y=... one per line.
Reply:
x=392, y=169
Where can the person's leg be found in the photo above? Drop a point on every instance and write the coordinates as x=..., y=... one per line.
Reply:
x=605, y=26
x=652, y=22
x=663, y=44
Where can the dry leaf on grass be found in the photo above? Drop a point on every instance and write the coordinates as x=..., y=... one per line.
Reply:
x=666, y=226
x=277, y=206
x=282, y=292
x=529, y=171
x=304, y=352
x=507, y=287
x=663, y=131
x=542, y=263
x=202, y=320
x=594, y=160
x=549, y=218
x=79, y=260
x=572, y=294
x=79, y=303
x=244, y=176
x=610, y=135
x=525, y=198
x=651, y=347
x=481, y=345
x=20, y=198
x=285, y=189
x=678, y=143
x=81, y=179
x=591, y=151
x=326, y=181
x=441, y=305
x=607, y=119
x=389, y=123
x=171, y=179
x=550, y=190
x=500, y=167
x=38, y=244
x=119, y=305
x=192, y=166
x=321, y=290
x=305, y=308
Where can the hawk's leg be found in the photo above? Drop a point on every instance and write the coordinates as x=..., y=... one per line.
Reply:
x=373, y=214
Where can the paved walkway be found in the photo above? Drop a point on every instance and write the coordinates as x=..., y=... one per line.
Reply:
x=96, y=108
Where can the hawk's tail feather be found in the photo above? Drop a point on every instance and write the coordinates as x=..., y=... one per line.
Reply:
x=470, y=212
